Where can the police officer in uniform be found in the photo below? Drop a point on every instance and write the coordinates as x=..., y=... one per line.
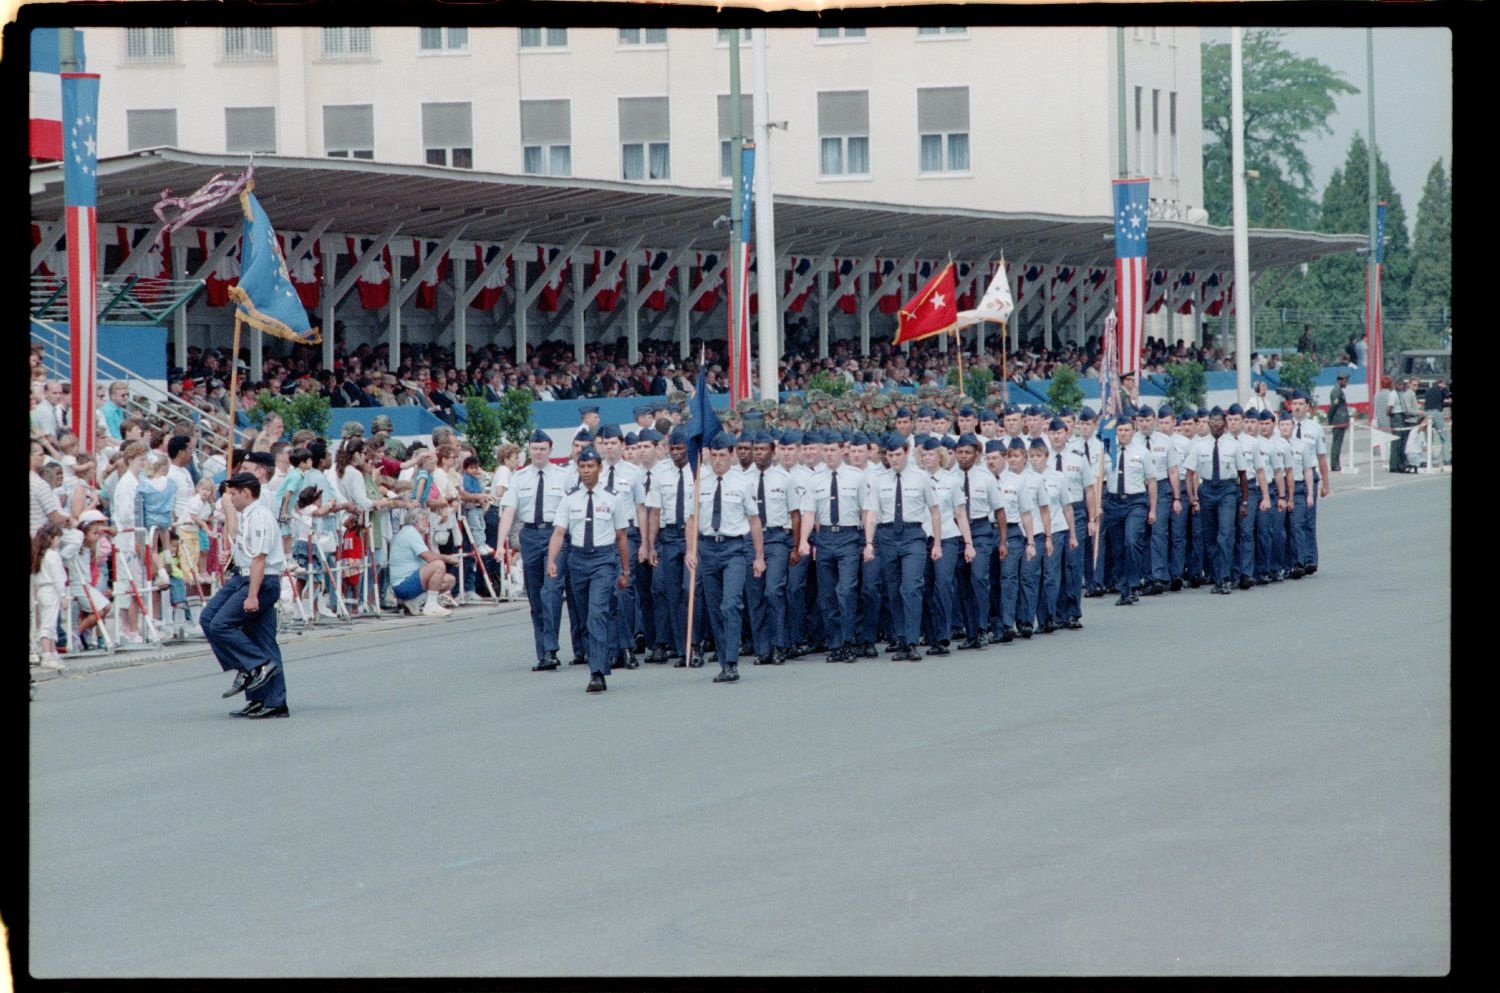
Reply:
x=533, y=496
x=727, y=515
x=240, y=621
x=591, y=521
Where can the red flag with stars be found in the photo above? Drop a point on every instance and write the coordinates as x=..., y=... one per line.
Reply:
x=932, y=311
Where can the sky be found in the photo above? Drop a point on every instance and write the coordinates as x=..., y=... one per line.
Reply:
x=1413, y=100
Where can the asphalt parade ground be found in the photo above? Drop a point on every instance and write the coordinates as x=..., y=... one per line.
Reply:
x=1256, y=785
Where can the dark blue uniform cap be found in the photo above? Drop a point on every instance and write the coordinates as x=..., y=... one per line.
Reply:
x=1298, y=395
x=894, y=441
x=1165, y=410
x=1086, y=414
x=966, y=411
x=590, y=408
x=1266, y=415
x=651, y=435
x=609, y=431
x=1216, y=412
x=903, y=411
x=744, y=438
x=970, y=439
x=1201, y=413
x=1032, y=411
x=584, y=436
x=1056, y=424
x=540, y=437
x=1011, y=408
x=950, y=442
x=722, y=442
x=1286, y=415
x=679, y=436
x=1144, y=410
x=589, y=455
x=925, y=411
x=994, y=445
x=859, y=438
x=988, y=415
x=642, y=410
x=1235, y=408
x=632, y=438
x=846, y=437
x=792, y=437
x=1038, y=445
x=931, y=443
x=1016, y=445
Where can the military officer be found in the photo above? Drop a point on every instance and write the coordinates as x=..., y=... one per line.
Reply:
x=1267, y=523
x=830, y=521
x=533, y=496
x=626, y=480
x=1092, y=450
x=1039, y=537
x=1242, y=573
x=952, y=532
x=780, y=520
x=674, y=488
x=896, y=505
x=1074, y=468
x=1168, y=500
x=1129, y=505
x=1308, y=427
x=986, y=514
x=727, y=516
x=1300, y=461
x=1218, y=463
x=1019, y=502
x=1166, y=423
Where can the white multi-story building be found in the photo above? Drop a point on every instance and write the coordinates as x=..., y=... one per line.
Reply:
x=1001, y=119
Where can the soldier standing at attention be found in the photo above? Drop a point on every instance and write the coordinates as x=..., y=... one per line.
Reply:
x=896, y=506
x=727, y=514
x=1218, y=464
x=1129, y=505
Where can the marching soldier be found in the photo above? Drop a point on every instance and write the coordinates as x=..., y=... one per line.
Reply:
x=727, y=515
x=533, y=496
x=830, y=521
x=951, y=531
x=780, y=521
x=1218, y=463
x=1074, y=469
x=896, y=506
x=981, y=494
x=1129, y=506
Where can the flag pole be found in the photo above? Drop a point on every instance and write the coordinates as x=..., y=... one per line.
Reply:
x=692, y=535
x=234, y=383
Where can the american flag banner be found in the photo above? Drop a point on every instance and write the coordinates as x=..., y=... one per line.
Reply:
x=1131, y=212
x=1109, y=383
x=80, y=115
x=46, y=122
x=1374, y=353
x=739, y=318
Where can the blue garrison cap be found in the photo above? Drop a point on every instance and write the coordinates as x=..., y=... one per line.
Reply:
x=1086, y=414
x=966, y=411
x=1144, y=410
x=1056, y=424
x=649, y=434
x=1033, y=411
x=743, y=438
x=859, y=438
x=1016, y=445
x=1065, y=412
x=994, y=445
x=1286, y=415
x=1298, y=395
x=1011, y=408
x=765, y=438
x=949, y=442
x=1165, y=410
x=1201, y=413
x=1266, y=415
x=1235, y=408
x=894, y=441
x=584, y=436
x=903, y=411
x=925, y=411
x=589, y=454
x=931, y=442
x=679, y=436
x=1216, y=412
x=812, y=436
x=722, y=441
x=540, y=437
x=970, y=439
x=632, y=438
x=1038, y=445
x=609, y=431
x=642, y=410
x=792, y=437
x=988, y=415
x=941, y=413
x=590, y=408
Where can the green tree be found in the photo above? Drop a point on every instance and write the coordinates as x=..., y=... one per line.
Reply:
x=1288, y=100
x=1431, y=291
x=514, y=414
x=1299, y=372
x=829, y=382
x=976, y=383
x=301, y=411
x=481, y=427
x=1186, y=385
x=1064, y=390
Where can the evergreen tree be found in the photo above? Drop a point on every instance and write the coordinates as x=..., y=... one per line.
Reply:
x=1432, y=249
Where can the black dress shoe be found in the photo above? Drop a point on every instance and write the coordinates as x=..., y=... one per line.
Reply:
x=1025, y=630
x=640, y=644
x=1074, y=625
x=1007, y=636
x=260, y=675
x=681, y=663
x=596, y=684
x=249, y=708
x=938, y=650
x=696, y=662
x=969, y=644
x=1047, y=628
x=723, y=676
x=1309, y=570
x=1297, y=572
x=1195, y=581
x=1262, y=580
x=837, y=655
x=545, y=666
x=1246, y=582
x=1126, y=599
x=657, y=656
x=763, y=660
x=1158, y=588
x=734, y=673
x=238, y=686
x=579, y=660
x=630, y=661
x=1175, y=584
x=267, y=712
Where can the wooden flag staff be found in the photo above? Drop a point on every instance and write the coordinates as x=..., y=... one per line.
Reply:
x=692, y=534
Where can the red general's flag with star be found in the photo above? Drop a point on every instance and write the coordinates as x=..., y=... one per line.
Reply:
x=932, y=311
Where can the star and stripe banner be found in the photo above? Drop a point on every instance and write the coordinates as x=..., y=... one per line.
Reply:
x=46, y=122
x=264, y=298
x=80, y=115
x=739, y=318
x=1131, y=213
x=933, y=310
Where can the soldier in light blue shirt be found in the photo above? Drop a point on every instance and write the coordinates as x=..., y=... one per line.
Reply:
x=1218, y=465
x=674, y=488
x=727, y=514
x=591, y=521
x=1307, y=427
x=938, y=604
x=1129, y=506
x=780, y=520
x=1092, y=450
x=532, y=498
x=626, y=480
x=986, y=514
x=1078, y=481
x=1299, y=461
x=1168, y=502
x=897, y=504
x=1242, y=573
x=1038, y=536
x=831, y=521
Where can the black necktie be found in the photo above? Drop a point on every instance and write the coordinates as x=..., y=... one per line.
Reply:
x=760, y=497
x=680, y=487
x=1059, y=461
x=588, y=523
x=713, y=522
x=1216, y=460
x=1120, y=479
x=1299, y=429
x=1086, y=453
x=899, y=518
x=610, y=484
x=833, y=498
x=536, y=513
x=648, y=482
x=966, y=489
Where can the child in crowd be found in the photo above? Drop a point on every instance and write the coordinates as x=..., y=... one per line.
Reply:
x=158, y=493
x=49, y=583
x=201, y=513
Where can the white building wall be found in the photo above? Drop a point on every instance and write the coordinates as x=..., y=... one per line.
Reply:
x=1041, y=102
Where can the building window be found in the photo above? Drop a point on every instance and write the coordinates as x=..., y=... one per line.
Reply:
x=844, y=133
x=1172, y=130
x=726, y=131
x=643, y=36
x=1156, y=132
x=150, y=128
x=544, y=37
x=1135, y=33
x=150, y=45
x=1138, y=131
x=546, y=137
x=841, y=34
x=250, y=129
x=445, y=39
x=349, y=131
x=943, y=128
x=249, y=45
x=346, y=43
x=1156, y=36
x=448, y=134
x=645, y=138
x=721, y=37
x=941, y=32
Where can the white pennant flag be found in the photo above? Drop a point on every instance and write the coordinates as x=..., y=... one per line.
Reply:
x=996, y=304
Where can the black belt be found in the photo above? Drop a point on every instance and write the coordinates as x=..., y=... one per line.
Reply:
x=721, y=538
x=536, y=527
x=775, y=530
x=597, y=548
x=671, y=527
x=836, y=528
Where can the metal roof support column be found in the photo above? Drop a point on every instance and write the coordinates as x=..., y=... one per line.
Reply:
x=578, y=343
x=684, y=316
x=864, y=313
x=330, y=271
x=179, y=316
x=393, y=312
x=1081, y=333
x=460, y=269
x=632, y=302
x=1013, y=326
x=1048, y=306
x=822, y=313
x=520, y=307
